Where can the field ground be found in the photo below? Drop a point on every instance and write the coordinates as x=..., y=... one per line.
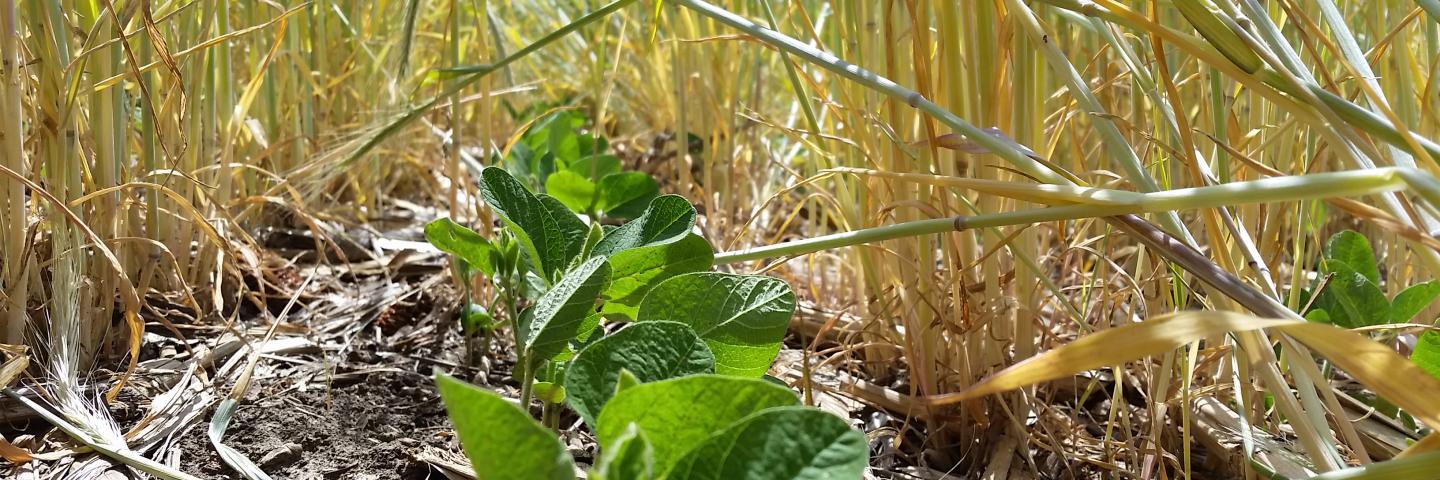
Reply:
x=996, y=239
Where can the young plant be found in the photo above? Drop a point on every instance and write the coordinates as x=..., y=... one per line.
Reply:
x=547, y=256
x=474, y=256
x=558, y=156
x=1352, y=297
x=1427, y=353
x=669, y=395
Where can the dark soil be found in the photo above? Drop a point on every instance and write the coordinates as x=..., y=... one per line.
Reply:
x=365, y=408
x=374, y=428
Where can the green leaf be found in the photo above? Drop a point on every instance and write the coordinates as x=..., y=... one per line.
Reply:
x=596, y=167
x=572, y=189
x=637, y=270
x=462, y=242
x=668, y=218
x=541, y=166
x=1327, y=305
x=573, y=231
x=782, y=443
x=563, y=137
x=558, y=314
x=630, y=458
x=592, y=238
x=1352, y=248
x=539, y=135
x=1315, y=219
x=1360, y=300
x=742, y=317
x=588, y=327
x=519, y=161
x=1318, y=316
x=592, y=145
x=625, y=194
x=475, y=318
x=531, y=221
x=566, y=354
x=627, y=380
x=1412, y=300
x=532, y=286
x=501, y=440
x=652, y=351
x=679, y=414
x=565, y=145
x=1427, y=353
x=549, y=392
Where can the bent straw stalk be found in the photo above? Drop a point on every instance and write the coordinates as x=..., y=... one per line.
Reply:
x=1006, y=150
x=1320, y=447
x=1357, y=116
x=1087, y=202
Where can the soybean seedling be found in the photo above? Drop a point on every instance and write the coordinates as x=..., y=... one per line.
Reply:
x=559, y=157
x=649, y=390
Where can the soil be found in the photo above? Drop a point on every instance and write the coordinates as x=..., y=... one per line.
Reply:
x=365, y=407
x=374, y=428
x=358, y=400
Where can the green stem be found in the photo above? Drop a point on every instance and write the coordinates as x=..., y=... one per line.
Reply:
x=527, y=381
x=845, y=239
x=546, y=412
x=1276, y=189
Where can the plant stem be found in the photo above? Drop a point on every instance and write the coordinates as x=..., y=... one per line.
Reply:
x=1005, y=149
x=1275, y=189
x=527, y=381
x=523, y=365
x=12, y=196
x=1356, y=115
x=845, y=239
x=550, y=415
x=477, y=72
